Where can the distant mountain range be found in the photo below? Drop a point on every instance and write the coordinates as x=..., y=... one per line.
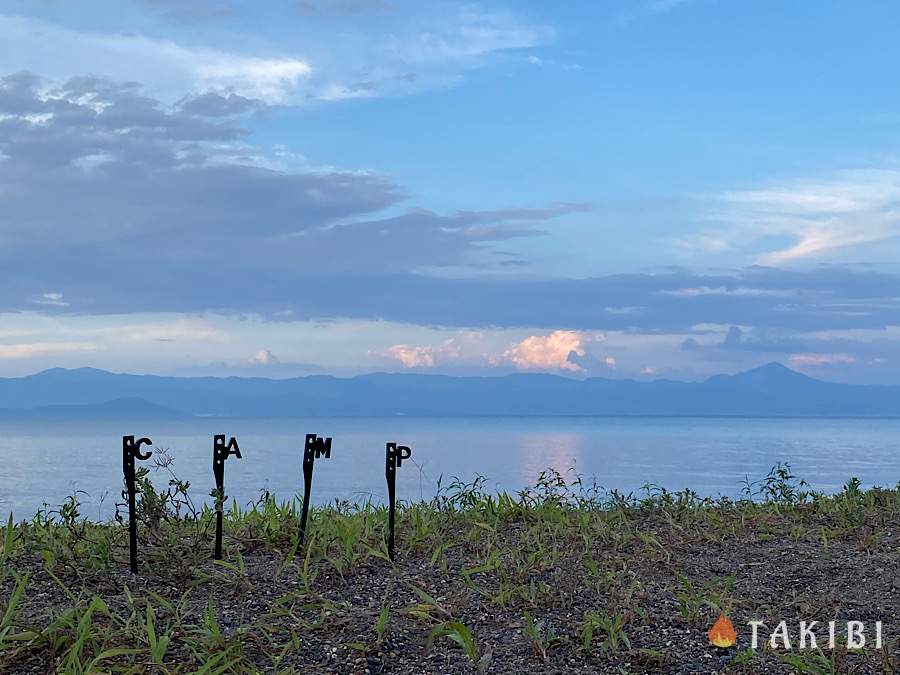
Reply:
x=768, y=390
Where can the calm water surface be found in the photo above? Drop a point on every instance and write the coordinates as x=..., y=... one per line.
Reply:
x=43, y=461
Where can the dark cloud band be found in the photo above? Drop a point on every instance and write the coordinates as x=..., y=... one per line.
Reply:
x=123, y=204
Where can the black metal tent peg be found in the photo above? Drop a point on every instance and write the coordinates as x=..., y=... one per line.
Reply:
x=131, y=449
x=315, y=446
x=221, y=451
x=394, y=456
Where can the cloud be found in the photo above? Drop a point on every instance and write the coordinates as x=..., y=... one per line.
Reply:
x=818, y=217
x=324, y=59
x=552, y=63
x=726, y=291
x=222, y=344
x=237, y=232
x=438, y=240
x=263, y=358
x=853, y=352
x=735, y=339
x=27, y=350
x=560, y=350
x=168, y=68
x=424, y=50
x=816, y=360
x=212, y=104
x=548, y=352
x=278, y=262
x=229, y=218
x=271, y=80
x=467, y=348
x=177, y=330
x=824, y=298
x=413, y=356
x=107, y=153
x=52, y=300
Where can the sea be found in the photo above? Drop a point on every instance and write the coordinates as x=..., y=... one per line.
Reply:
x=44, y=462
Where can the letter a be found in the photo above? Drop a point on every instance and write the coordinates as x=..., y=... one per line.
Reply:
x=781, y=631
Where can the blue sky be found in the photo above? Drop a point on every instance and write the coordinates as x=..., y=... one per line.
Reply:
x=624, y=189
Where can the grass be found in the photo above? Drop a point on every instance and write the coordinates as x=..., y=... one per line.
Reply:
x=561, y=573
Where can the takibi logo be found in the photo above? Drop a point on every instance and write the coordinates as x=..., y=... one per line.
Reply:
x=852, y=635
x=722, y=633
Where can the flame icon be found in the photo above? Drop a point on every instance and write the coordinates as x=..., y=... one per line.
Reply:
x=722, y=632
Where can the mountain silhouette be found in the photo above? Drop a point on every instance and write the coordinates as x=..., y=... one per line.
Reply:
x=771, y=389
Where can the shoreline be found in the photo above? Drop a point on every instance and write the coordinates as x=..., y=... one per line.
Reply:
x=553, y=579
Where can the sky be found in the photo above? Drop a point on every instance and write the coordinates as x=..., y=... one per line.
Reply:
x=629, y=189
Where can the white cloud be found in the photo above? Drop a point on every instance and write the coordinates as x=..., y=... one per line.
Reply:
x=27, y=350
x=7, y=334
x=423, y=50
x=817, y=241
x=167, y=68
x=187, y=329
x=53, y=299
x=739, y=291
x=263, y=358
x=705, y=242
x=466, y=33
x=271, y=80
x=823, y=217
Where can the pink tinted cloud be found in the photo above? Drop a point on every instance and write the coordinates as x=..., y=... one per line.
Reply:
x=548, y=352
x=263, y=358
x=36, y=349
x=412, y=356
x=813, y=360
x=466, y=347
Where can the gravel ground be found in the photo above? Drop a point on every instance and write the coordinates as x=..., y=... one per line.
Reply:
x=666, y=585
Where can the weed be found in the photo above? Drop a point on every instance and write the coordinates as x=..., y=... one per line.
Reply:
x=547, y=553
x=814, y=663
x=459, y=633
x=383, y=617
x=542, y=636
x=613, y=627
